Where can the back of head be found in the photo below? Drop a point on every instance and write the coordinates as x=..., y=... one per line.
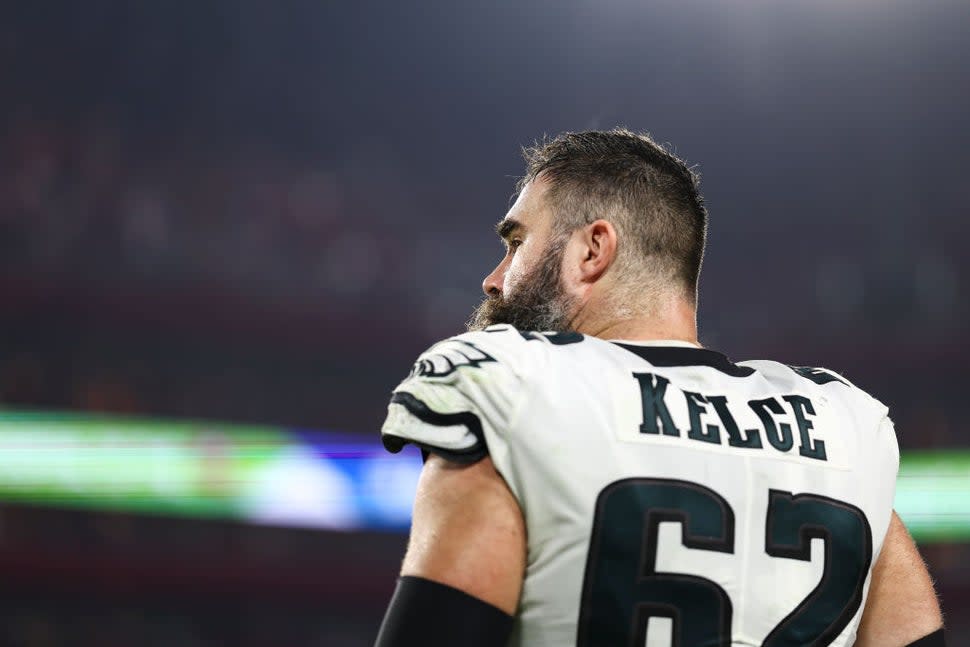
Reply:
x=649, y=195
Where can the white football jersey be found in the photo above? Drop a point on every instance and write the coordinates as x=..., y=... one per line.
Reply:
x=671, y=497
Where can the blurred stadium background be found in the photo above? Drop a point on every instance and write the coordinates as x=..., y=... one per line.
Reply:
x=227, y=228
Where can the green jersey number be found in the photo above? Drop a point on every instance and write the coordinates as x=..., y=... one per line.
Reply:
x=623, y=589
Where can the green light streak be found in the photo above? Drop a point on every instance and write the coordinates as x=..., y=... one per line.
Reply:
x=207, y=469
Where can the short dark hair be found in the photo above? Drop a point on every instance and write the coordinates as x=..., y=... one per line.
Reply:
x=649, y=194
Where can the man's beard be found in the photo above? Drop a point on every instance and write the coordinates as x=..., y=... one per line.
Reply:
x=539, y=301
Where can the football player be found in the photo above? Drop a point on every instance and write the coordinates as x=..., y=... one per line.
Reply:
x=594, y=476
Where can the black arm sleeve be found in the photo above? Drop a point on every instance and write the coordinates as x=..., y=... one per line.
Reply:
x=428, y=614
x=934, y=639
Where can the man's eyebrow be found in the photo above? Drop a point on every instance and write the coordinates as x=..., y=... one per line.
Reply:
x=506, y=227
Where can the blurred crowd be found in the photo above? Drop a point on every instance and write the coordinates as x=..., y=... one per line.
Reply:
x=78, y=202
x=110, y=251
x=251, y=286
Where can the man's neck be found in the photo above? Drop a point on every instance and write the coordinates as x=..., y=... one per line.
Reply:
x=675, y=320
x=633, y=330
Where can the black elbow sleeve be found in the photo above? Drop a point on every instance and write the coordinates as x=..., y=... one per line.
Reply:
x=428, y=614
x=934, y=639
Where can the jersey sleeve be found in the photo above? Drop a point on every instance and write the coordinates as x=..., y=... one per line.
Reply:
x=457, y=391
x=883, y=469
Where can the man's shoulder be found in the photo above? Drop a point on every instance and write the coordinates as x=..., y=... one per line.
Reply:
x=815, y=374
x=814, y=378
x=464, y=387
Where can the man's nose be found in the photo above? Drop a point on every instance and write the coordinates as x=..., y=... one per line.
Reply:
x=492, y=285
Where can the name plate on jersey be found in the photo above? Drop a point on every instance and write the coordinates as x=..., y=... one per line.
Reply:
x=787, y=426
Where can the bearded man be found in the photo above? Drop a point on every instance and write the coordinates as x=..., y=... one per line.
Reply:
x=594, y=476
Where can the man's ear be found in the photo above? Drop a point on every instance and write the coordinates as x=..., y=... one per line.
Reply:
x=599, y=249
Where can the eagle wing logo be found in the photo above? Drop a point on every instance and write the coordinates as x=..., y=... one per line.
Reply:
x=447, y=357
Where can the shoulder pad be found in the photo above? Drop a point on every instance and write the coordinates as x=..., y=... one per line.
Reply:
x=820, y=376
x=461, y=388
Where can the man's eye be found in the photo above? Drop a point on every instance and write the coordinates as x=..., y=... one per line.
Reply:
x=514, y=245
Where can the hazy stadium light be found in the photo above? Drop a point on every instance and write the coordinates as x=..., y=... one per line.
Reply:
x=264, y=475
x=334, y=481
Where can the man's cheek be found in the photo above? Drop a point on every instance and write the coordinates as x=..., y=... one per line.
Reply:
x=513, y=276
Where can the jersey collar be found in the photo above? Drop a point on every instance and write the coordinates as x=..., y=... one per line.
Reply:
x=679, y=343
x=680, y=353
